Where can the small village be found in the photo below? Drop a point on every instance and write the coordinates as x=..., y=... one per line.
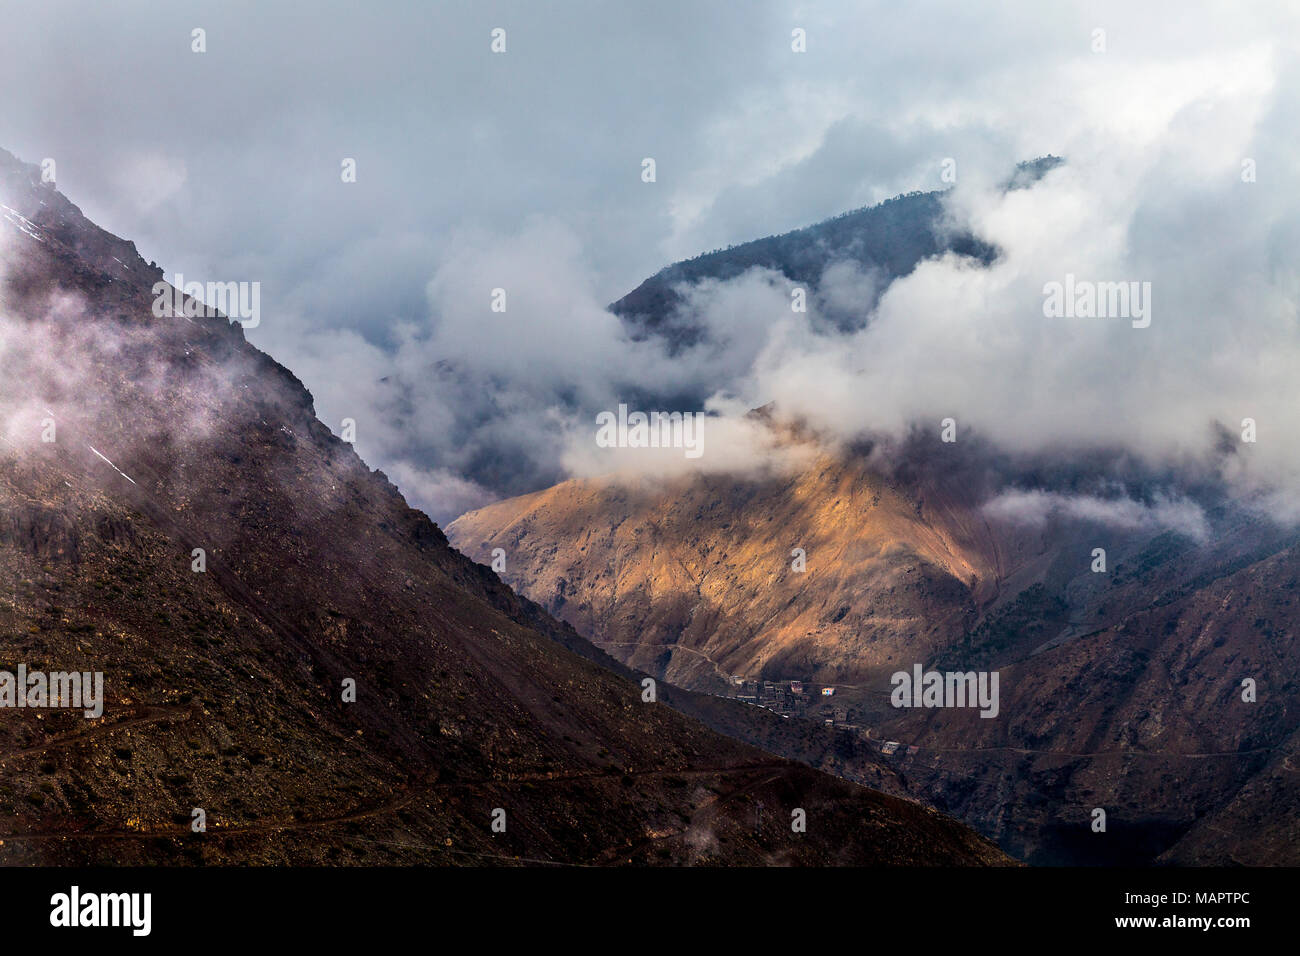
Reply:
x=794, y=698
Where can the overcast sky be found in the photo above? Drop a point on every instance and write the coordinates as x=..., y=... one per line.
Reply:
x=523, y=170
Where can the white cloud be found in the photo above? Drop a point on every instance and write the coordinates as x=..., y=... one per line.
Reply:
x=1035, y=508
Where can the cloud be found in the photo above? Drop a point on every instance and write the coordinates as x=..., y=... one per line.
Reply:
x=1168, y=207
x=723, y=438
x=1036, y=508
x=147, y=180
x=522, y=171
x=470, y=401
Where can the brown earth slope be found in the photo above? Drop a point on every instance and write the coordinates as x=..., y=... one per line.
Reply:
x=1119, y=691
x=698, y=580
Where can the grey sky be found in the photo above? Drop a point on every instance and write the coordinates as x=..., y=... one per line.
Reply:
x=523, y=169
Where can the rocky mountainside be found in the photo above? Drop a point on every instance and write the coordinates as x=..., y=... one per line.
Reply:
x=698, y=580
x=176, y=518
x=1120, y=691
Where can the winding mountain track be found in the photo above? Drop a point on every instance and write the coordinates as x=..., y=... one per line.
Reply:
x=405, y=796
x=149, y=714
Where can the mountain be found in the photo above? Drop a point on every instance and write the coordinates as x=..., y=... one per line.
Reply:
x=177, y=519
x=1119, y=691
x=885, y=241
x=694, y=579
x=1121, y=686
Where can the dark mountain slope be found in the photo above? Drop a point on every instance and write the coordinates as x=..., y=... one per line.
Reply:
x=888, y=239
